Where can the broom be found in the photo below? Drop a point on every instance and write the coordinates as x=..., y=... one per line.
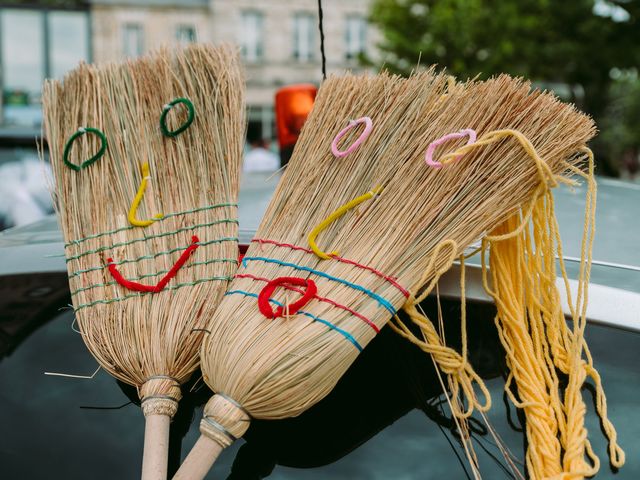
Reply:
x=146, y=159
x=315, y=286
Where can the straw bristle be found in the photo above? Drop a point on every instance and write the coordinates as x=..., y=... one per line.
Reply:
x=278, y=368
x=193, y=181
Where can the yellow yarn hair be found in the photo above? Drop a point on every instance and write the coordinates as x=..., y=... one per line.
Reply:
x=531, y=324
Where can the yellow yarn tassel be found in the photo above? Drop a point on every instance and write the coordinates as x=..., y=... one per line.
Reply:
x=531, y=325
x=538, y=340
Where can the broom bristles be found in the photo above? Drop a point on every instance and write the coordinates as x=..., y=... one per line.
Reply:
x=147, y=339
x=279, y=368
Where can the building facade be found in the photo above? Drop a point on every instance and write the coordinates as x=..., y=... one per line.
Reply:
x=279, y=39
x=38, y=41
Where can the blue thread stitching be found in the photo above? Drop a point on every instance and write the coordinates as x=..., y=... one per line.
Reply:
x=385, y=303
x=344, y=333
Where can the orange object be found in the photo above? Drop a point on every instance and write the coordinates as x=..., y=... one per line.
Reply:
x=293, y=104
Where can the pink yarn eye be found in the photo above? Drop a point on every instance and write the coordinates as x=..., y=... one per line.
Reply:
x=368, y=126
x=467, y=132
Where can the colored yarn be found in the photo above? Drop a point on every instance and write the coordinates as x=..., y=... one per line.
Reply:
x=138, y=198
x=139, y=287
x=532, y=327
x=467, y=132
x=317, y=297
x=67, y=148
x=168, y=215
x=191, y=112
x=389, y=279
x=147, y=275
x=147, y=257
x=342, y=332
x=263, y=298
x=382, y=301
x=140, y=294
x=333, y=217
x=363, y=136
x=150, y=237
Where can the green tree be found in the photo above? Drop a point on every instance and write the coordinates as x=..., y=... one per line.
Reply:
x=574, y=44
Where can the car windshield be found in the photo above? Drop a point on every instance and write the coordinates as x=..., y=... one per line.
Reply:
x=385, y=418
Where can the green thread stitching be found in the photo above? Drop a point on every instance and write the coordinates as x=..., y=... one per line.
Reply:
x=167, y=215
x=102, y=267
x=174, y=287
x=155, y=255
x=147, y=275
x=150, y=237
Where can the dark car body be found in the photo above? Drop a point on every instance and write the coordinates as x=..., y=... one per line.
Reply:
x=387, y=417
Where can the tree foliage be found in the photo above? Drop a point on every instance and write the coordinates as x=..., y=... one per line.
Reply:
x=569, y=44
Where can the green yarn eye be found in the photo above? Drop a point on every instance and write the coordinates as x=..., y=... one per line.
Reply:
x=163, y=118
x=67, y=148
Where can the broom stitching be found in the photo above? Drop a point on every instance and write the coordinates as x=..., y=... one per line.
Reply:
x=138, y=198
x=381, y=300
x=140, y=294
x=147, y=275
x=166, y=252
x=344, y=333
x=317, y=297
x=163, y=281
x=168, y=215
x=150, y=237
x=389, y=279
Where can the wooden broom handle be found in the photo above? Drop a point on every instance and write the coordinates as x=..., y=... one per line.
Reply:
x=156, y=447
x=200, y=460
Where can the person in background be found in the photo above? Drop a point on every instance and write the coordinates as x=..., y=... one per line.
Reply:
x=259, y=158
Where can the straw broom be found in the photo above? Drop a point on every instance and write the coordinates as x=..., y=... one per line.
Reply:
x=390, y=249
x=146, y=193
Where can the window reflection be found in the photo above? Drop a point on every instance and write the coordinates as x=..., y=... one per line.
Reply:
x=252, y=36
x=132, y=39
x=304, y=37
x=68, y=41
x=34, y=45
x=185, y=34
x=23, y=65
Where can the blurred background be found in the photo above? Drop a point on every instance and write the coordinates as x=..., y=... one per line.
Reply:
x=587, y=51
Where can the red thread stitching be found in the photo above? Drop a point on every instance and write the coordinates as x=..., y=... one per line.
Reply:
x=292, y=308
x=389, y=279
x=139, y=287
x=317, y=297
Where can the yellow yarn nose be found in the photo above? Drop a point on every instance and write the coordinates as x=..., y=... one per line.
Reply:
x=138, y=198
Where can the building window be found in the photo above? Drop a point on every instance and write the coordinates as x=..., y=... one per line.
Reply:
x=356, y=36
x=252, y=36
x=68, y=41
x=132, y=40
x=303, y=37
x=35, y=44
x=185, y=34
